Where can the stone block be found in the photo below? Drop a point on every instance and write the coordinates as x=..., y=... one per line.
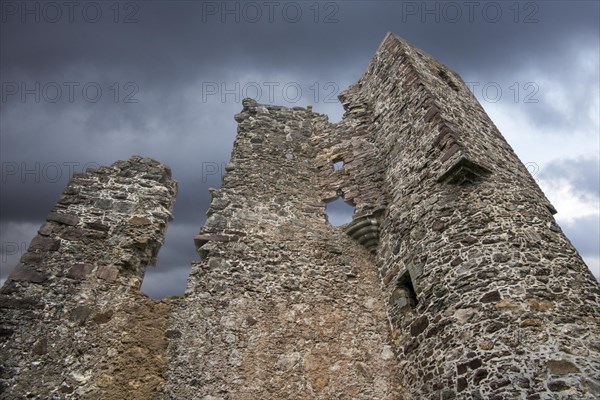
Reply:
x=80, y=271
x=44, y=244
x=26, y=273
x=65, y=219
x=107, y=273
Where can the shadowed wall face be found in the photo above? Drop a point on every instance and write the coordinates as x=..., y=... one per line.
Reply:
x=73, y=323
x=485, y=291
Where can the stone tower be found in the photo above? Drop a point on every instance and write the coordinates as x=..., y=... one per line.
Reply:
x=452, y=280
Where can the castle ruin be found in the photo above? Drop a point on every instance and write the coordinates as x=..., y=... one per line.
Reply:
x=453, y=280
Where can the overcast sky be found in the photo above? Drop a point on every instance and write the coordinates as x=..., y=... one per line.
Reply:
x=89, y=83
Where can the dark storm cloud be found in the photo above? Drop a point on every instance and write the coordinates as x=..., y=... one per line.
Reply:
x=173, y=43
x=172, y=79
x=174, y=46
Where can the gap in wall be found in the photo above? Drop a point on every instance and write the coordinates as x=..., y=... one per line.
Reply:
x=339, y=212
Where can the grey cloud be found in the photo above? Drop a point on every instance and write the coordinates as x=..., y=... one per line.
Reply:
x=159, y=283
x=584, y=233
x=582, y=173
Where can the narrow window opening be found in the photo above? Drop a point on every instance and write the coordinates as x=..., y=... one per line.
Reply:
x=404, y=297
x=337, y=165
x=339, y=212
x=444, y=76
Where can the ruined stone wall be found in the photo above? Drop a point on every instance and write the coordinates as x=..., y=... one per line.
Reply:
x=503, y=307
x=484, y=295
x=73, y=323
x=283, y=305
x=453, y=279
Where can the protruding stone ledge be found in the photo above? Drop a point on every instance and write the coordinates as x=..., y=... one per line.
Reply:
x=551, y=208
x=464, y=171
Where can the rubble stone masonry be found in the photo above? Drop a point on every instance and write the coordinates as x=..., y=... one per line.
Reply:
x=73, y=323
x=453, y=280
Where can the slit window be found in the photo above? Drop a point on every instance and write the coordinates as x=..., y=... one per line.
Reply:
x=404, y=296
x=337, y=165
